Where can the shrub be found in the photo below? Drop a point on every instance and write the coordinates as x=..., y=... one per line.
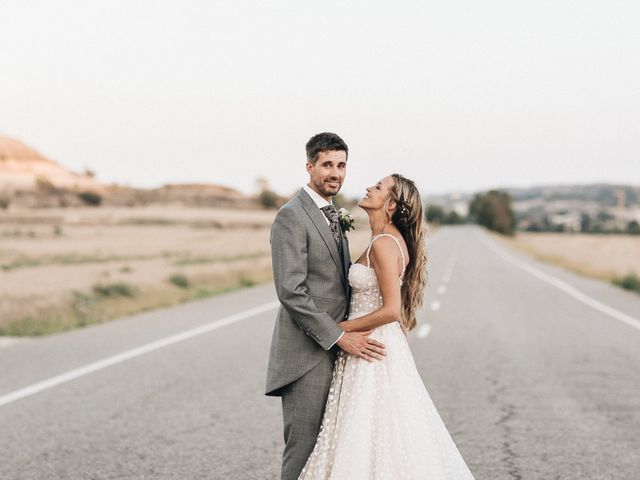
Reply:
x=629, y=282
x=90, y=198
x=114, y=290
x=453, y=218
x=82, y=303
x=633, y=227
x=44, y=185
x=179, y=280
x=268, y=199
x=434, y=214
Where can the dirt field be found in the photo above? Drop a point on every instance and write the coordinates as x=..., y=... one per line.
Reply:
x=54, y=262
x=605, y=257
x=63, y=268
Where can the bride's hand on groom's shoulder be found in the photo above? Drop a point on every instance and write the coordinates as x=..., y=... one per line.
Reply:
x=358, y=344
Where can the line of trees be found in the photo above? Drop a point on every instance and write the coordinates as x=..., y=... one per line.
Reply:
x=491, y=209
x=437, y=214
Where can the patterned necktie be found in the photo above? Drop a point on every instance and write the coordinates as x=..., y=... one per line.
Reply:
x=331, y=213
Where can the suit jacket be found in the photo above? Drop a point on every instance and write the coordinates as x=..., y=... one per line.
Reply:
x=312, y=286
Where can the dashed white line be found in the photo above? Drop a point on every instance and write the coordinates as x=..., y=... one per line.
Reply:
x=565, y=287
x=129, y=354
x=448, y=269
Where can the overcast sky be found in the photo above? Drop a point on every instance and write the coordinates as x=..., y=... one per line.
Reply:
x=459, y=95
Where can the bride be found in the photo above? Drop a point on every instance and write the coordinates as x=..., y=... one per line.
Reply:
x=379, y=421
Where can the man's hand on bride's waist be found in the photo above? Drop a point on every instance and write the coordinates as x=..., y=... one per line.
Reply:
x=360, y=345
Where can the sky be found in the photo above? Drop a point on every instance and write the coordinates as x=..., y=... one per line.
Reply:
x=457, y=95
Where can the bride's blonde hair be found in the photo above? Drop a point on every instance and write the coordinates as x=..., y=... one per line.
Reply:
x=409, y=219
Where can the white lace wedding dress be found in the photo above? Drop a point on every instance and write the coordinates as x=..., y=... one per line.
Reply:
x=379, y=422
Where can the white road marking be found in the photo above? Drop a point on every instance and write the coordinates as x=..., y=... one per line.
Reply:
x=442, y=289
x=129, y=354
x=435, y=305
x=8, y=341
x=423, y=331
x=448, y=269
x=565, y=287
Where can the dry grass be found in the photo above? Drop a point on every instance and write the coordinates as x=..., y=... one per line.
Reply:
x=109, y=301
x=605, y=257
x=54, y=261
x=51, y=261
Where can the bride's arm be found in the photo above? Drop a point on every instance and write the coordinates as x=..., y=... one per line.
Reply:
x=384, y=259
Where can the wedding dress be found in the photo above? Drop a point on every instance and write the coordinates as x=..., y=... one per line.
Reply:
x=380, y=422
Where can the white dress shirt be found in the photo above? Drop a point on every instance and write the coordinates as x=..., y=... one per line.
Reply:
x=320, y=202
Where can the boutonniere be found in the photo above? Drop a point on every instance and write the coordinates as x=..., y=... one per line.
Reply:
x=347, y=222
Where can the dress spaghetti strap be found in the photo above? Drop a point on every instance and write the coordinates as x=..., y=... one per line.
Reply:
x=397, y=243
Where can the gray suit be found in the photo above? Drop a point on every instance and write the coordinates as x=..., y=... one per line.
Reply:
x=311, y=283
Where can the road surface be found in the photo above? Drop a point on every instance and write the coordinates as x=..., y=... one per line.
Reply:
x=534, y=370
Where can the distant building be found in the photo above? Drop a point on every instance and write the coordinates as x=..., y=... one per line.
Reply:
x=570, y=221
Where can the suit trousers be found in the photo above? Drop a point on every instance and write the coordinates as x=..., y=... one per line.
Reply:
x=303, y=403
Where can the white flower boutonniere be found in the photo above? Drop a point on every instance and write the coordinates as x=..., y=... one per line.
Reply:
x=347, y=222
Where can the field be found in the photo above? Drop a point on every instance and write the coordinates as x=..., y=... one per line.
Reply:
x=64, y=268
x=605, y=257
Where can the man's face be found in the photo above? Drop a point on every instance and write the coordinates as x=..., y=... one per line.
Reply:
x=327, y=175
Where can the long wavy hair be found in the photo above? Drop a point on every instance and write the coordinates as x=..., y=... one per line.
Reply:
x=409, y=219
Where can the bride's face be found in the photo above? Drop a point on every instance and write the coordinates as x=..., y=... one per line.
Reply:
x=377, y=195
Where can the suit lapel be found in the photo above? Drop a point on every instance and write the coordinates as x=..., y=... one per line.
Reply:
x=347, y=267
x=346, y=260
x=318, y=219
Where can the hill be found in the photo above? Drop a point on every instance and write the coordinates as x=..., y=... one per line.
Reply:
x=30, y=179
x=589, y=207
x=23, y=168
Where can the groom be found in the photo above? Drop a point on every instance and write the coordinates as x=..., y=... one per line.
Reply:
x=310, y=256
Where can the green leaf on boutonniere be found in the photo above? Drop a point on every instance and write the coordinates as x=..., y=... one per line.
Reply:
x=347, y=222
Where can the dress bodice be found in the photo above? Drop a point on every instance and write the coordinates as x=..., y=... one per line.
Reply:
x=365, y=293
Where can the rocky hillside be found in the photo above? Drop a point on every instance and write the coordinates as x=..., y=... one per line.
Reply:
x=23, y=168
x=29, y=179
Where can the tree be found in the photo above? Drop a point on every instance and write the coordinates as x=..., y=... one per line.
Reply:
x=435, y=214
x=633, y=227
x=267, y=198
x=453, y=218
x=493, y=210
x=90, y=198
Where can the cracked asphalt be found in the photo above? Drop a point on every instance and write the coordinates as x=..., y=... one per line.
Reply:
x=531, y=382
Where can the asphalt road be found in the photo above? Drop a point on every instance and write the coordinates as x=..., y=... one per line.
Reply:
x=535, y=371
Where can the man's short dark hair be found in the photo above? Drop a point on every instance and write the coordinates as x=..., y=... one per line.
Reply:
x=323, y=142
